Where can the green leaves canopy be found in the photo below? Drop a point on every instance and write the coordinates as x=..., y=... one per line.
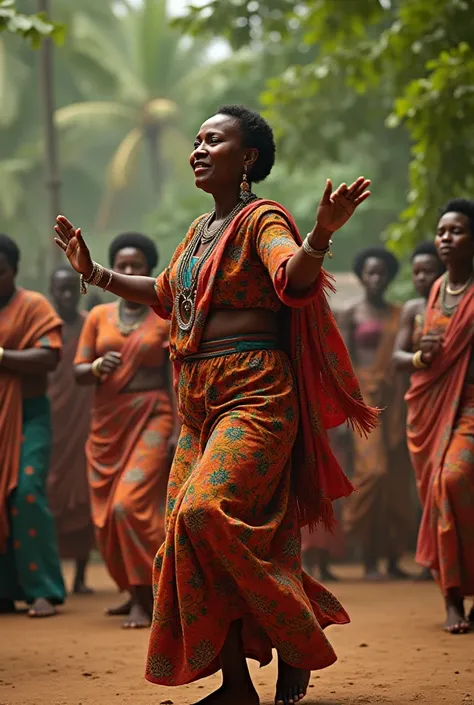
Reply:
x=34, y=28
x=410, y=61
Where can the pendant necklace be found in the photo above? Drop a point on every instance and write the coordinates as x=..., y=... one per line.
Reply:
x=185, y=299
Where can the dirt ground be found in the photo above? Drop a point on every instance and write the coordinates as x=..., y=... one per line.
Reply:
x=394, y=652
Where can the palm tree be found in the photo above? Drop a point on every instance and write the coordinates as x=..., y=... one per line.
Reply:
x=153, y=68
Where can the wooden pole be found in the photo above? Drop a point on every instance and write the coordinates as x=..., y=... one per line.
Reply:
x=52, y=178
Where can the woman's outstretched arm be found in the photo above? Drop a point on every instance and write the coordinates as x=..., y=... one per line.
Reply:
x=141, y=290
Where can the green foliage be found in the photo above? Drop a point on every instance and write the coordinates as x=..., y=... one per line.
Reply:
x=409, y=62
x=33, y=28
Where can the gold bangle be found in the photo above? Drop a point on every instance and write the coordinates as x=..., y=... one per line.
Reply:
x=417, y=361
x=95, y=369
x=2, y=353
x=317, y=254
x=109, y=281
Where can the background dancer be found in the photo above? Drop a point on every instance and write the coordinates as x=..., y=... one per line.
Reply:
x=440, y=426
x=123, y=352
x=68, y=488
x=30, y=332
x=426, y=268
x=379, y=513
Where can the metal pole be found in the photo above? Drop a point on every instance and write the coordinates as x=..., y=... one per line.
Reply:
x=52, y=180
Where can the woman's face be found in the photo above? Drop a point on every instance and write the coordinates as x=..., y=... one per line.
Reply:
x=425, y=270
x=7, y=277
x=219, y=156
x=65, y=292
x=129, y=260
x=375, y=276
x=454, y=241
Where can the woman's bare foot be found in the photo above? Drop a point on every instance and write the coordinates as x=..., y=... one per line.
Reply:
x=80, y=585
x=292, y=683
x=327, y=576
x=394, y=572
x=81, y=588
x=138, y=618
x=374, y=576
x=120, y=611
x=42, y=608
x=244, y=694
x=456, y=622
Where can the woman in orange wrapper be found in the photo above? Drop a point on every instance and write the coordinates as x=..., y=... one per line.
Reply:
x=253, y=462
x=440, y=425
x=426, y=269
x=123, y=351
x=30, y=346
x=379, y=513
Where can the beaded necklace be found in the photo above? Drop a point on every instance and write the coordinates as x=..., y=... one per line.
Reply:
x=185, y=299
x=448, y=309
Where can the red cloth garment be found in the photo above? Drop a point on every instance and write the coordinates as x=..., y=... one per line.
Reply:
x=437, y=410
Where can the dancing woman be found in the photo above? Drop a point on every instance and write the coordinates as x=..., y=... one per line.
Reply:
x=440, y=425
x=68, y=489
x=123, y=352
x=228, y=580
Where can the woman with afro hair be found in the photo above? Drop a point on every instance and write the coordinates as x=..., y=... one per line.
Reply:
x=261, y=372
x=378, y=515
x=123, y=352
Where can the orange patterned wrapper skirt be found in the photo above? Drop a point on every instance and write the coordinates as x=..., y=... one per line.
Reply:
x=452, y=505
x=233, y=545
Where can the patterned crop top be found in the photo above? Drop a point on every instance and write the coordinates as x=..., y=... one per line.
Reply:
x=250, y=265
x=245, y=280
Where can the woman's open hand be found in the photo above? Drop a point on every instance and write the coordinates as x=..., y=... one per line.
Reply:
x=336, y=207
x=70, y=240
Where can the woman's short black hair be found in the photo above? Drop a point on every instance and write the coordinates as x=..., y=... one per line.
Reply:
x=139, y=242
x=376, y=253
x=10, y=249
x=257, y=134
x=428, y=248
x=461, y=205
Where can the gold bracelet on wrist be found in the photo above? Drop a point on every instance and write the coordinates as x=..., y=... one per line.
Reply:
x=316, y=254
x=109, y=281
x=94, y=279
x=2, y=353
x=95, y=368
x=417, y=361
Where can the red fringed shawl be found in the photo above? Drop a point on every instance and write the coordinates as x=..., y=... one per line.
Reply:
x=328, y=390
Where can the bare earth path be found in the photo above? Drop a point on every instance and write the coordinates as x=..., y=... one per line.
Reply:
x=394, y=652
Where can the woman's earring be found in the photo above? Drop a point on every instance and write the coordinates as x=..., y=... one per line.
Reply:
x=245, y=193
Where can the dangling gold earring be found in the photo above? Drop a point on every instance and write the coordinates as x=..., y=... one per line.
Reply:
x=245, y=193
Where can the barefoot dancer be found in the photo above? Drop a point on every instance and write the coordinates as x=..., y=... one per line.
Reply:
x=228, y=580
x=378, y=514
x=426, y=268
x=30, y=337
x=440, y=424
x=68, y=489
x=123, y=351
